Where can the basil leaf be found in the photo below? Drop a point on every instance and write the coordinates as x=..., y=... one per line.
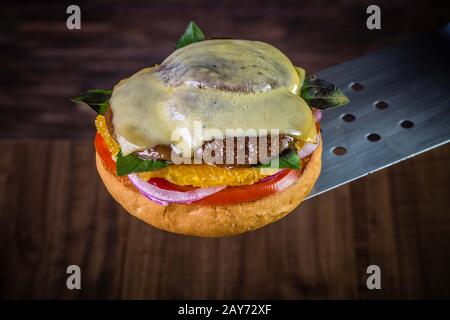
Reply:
x=321, y=94
x=97, y=99
x=132, y=163
x=288, y=160
x=191, y=34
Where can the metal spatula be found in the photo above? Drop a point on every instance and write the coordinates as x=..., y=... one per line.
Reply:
x=399, y=107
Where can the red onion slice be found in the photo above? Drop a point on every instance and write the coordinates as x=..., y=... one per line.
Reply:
x=164, y=197
x=271, y=176
x=317, y=114
x=308, y=148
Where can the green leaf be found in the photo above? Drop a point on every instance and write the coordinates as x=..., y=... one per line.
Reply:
x=97, y=99
x=321, y=94
x=132, y=163
x=288, y=160
x=191, y=35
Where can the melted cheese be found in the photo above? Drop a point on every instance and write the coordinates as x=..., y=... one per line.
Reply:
x=225, y=84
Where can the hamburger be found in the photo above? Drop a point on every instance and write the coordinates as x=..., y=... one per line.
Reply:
x=221, y=138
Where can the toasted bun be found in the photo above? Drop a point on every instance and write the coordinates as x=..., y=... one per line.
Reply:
x=212, y=221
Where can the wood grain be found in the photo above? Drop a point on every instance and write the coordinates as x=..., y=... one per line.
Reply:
x=44, y=64
x=54, y=211
x=397, y=218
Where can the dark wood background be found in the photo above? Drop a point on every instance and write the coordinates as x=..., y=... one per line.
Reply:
x=54, y=211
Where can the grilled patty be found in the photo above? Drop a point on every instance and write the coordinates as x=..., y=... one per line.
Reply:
x=237, y=151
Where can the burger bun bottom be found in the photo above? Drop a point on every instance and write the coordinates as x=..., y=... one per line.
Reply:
x=212, y=221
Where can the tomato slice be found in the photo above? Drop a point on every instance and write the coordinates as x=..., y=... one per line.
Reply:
x=252, y=192
x=104, y=153
x=229, y=195
x=259, y=190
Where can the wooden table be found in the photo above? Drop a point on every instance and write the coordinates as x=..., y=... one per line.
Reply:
x=54, y=210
